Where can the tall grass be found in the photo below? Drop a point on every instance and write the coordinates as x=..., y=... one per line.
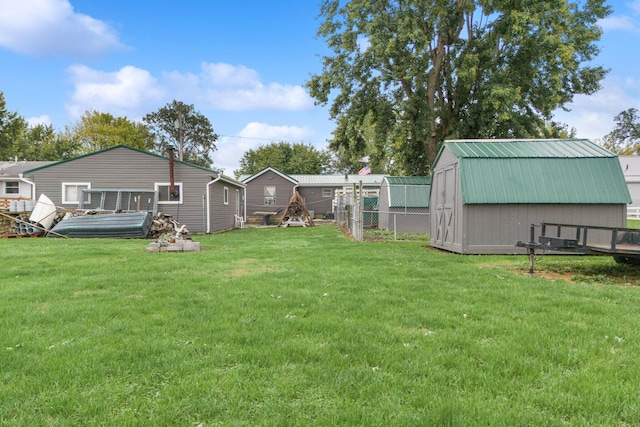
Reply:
x=302, y=326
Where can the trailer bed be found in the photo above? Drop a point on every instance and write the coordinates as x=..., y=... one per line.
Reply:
x=621, y=243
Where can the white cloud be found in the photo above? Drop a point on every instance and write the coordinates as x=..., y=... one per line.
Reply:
x=618, y=22
x=51, y=27
x=40, y=120
x=134, y=92
x=232, y=148
x=129, y=91
x=236, y=88
x=592, y=116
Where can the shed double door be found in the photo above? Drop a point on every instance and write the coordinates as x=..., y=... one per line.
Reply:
x=445, y=203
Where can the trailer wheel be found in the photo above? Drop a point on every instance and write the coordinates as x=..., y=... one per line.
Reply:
x=620, y=259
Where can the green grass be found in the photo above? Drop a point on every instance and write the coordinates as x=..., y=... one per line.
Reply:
x=302, y=326
x=633, y=223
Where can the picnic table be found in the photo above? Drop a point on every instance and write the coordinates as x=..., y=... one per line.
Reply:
x=294, y=221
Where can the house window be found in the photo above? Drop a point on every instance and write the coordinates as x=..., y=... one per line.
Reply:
x=269, y=195
x=71, y=192
x=326, y=192
x=226, y=195
x=164, y=193
x=12, y=187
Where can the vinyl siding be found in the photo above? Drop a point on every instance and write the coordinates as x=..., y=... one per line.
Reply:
x=255, y=192
x=125, y=168
x=314, y=201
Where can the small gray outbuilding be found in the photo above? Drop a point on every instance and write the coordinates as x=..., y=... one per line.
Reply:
x=487, y=193
x=204, y=200
x=403, y=204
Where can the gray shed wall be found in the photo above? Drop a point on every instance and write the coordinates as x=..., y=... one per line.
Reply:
x=494, y=229
x=314, y=201
x=405, y=220
x=222, y=216
x=255, y=192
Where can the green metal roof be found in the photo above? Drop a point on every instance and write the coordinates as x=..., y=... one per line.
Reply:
x=409, y=191
x=408, y=180
x=527, y=148
x=575, y=171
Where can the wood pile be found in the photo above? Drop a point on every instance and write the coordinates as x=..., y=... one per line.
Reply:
x=296, y=213
x=164, y=224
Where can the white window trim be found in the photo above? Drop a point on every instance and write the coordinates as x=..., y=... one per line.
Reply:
x=6, y=188
x=225, y=195
x=270, y=200
x=327, y=192
x=69, y=184
x=156, y=187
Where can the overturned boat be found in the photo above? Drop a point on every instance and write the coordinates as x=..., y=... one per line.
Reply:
x=113, y=225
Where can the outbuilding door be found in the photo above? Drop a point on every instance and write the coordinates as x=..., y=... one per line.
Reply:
x=445, y=202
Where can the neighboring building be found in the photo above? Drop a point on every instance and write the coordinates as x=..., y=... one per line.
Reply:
x=631, y=170
x=487, y=193
x=12, y=185
x=271, y=190
x=403, y=204
x=205, y=200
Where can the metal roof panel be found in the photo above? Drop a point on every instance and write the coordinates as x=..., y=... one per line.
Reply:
x=516, y=148
x=543, y=180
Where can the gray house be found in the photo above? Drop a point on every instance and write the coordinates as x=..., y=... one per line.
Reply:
x=13, y=186
x=487, y=193
x=271, y=190
x=403, y=204
x=204, y=200
x=631, y=170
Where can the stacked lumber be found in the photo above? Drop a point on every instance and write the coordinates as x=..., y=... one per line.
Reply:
x=165, y=225
x=296, y=213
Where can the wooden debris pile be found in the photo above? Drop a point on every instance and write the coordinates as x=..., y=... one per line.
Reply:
x=164, y=225
x=296, y=213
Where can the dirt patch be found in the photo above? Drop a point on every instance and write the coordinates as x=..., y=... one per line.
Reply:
x=551, y=275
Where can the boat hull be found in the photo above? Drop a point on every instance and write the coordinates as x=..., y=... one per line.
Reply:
x=121, y=225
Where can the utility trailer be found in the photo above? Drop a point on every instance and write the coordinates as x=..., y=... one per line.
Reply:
x=621, y=243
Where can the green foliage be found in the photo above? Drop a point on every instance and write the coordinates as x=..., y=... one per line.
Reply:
x=296, y=158
x=12, y=128
x=624, y=139
x=96, y=131
x=255, y=331
x=41, y=142
x=180, y=125
x=420, y=72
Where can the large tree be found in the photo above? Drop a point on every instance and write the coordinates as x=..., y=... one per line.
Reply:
x=96, y=131
x=179, y=125
x=12, y=128
x=422, y=71
x=41, y=142
x=624, y=139
x=296, y=158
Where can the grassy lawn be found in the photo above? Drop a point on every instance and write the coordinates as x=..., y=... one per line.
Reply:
x=302, y=326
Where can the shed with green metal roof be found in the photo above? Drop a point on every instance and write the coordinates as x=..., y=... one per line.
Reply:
x=403, y=205
x=487, y=193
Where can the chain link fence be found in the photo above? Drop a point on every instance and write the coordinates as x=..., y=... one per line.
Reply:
x=366, y=219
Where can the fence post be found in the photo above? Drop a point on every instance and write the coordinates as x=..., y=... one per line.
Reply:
x=395, y=228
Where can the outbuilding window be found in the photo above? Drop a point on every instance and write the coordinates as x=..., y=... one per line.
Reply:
x=269, y=195
x=226, y=195
x=72, y=191
x=164, y=193
x=12, y=187
x=326, y=192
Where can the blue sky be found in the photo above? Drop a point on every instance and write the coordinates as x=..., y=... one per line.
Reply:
x=242, y=64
